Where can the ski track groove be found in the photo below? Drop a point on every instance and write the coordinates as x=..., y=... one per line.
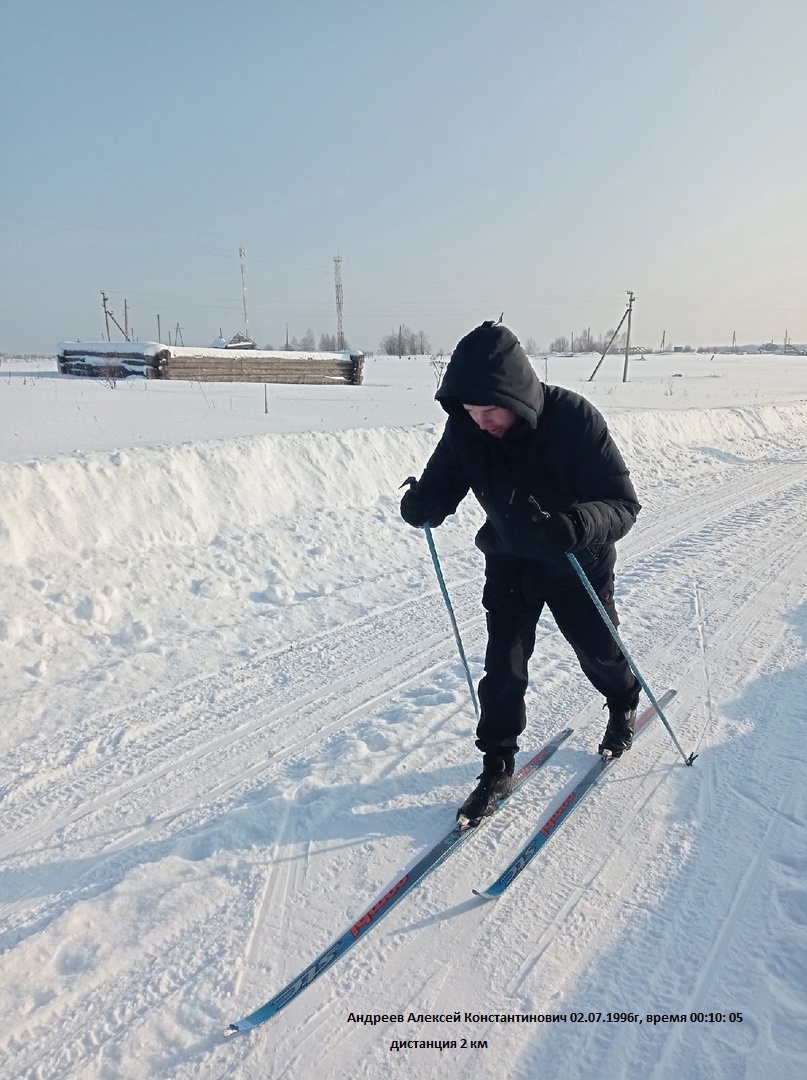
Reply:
x=588, y=1041
x=712, y=962
x=653, y=776
x=83, y=1031
x=205, y=746
x=275, y=884
x=115, y=855
x=373, y=686
x=750, y=877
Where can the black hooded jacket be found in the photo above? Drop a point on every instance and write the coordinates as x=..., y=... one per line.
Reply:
x=558, y=455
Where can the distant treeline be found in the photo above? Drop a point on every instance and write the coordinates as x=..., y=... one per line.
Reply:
x=586, y=342
x=308, y=343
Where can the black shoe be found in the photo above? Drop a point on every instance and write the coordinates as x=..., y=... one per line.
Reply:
x=495, y=784
x=619, y=733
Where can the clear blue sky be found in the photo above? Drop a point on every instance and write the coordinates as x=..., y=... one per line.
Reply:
x=465, y=157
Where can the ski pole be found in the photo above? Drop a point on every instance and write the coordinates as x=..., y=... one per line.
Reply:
x=444, y=590
x=578, y=569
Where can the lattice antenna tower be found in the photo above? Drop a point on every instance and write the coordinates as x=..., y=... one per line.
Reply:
x=340, y=328
x=242, y=255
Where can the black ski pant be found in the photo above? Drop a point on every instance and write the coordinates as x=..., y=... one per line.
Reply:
x=514, y=606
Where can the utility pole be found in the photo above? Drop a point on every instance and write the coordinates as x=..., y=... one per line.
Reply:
x=663, y=339
x=242, y=255
x=734, y=341
x=159, y=332
x=126, y=318
x=106, y=313
x=178, y=334
x=340, y=329
x=627, y=338
x=610, y=343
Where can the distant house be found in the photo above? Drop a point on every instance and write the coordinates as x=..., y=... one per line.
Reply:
x=240, y=341
x=787, y=350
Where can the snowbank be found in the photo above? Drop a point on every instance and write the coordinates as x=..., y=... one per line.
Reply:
x=114, y=558
x=79, y=506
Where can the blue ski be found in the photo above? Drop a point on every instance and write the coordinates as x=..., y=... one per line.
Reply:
x=430, y=861
x=562, y=811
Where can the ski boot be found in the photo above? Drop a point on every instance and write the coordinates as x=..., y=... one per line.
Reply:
x=619, y=732
x=495, y=784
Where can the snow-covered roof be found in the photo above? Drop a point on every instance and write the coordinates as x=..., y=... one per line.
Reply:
x=110, y=348
x=153, y=349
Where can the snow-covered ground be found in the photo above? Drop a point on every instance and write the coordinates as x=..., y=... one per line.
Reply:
x=233, y=714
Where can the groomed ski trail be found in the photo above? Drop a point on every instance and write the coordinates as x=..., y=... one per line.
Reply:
x=173, y=803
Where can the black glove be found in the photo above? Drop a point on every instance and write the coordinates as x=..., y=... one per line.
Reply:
x=556, y=533
x=418, y=509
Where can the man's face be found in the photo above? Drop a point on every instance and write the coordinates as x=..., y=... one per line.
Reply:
x=491, y=418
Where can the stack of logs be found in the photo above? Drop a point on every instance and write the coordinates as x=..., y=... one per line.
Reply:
x=226, y=365
x=105, y=360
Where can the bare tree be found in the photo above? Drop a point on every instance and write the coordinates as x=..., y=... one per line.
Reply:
x=405, y=342
x=438, y=365
x=327, y=342
x=308, y=342
x=584, y=342
x=560, y=344
x=392, y=343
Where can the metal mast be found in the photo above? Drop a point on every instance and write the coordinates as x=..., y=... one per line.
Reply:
x=340, y=329
x=242, y=255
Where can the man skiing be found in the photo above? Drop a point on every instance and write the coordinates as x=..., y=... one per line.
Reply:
x=550, y=479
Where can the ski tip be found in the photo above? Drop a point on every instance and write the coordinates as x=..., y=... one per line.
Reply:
x=233, y=1029
x=483, y=895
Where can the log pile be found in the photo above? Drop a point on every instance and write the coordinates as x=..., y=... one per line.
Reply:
x=229, y=365
x=119, y=359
